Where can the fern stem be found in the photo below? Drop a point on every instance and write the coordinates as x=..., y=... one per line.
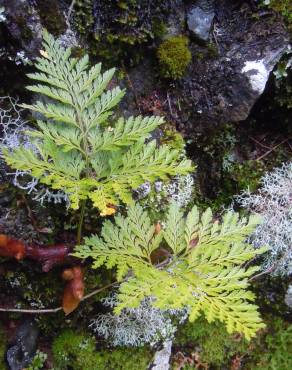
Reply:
x=80, y=223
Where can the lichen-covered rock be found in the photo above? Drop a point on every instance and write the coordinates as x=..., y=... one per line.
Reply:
x=200, y=18
x=25, y=19
x=24, y=24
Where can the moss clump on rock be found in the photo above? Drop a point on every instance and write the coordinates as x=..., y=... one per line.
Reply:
x=174, y=56
x=272, y=350
x=77, y=351
x=216, y=346
x=284, y=7
x=2, y=349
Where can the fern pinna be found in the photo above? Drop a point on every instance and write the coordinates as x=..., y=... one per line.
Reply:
x=78, y=148
x=202, y=269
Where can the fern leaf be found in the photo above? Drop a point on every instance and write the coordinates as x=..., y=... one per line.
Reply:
x=79, y=147
x=207, y=277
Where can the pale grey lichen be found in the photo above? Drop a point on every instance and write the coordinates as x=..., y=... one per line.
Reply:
x=68, y=39
x=136, y=326
x=14, y=133
x=159, y=195
x=273, y=201
x=179, y=189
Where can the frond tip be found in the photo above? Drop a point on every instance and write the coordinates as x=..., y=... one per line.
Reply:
x=204, y=272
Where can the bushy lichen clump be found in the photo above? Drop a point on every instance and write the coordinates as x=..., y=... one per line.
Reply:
x=77, y=351
x=174, y=56
x=273, y=202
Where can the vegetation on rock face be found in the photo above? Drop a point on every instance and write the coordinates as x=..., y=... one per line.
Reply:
x=201, y=270
x=77, y=351
x=284, y=7
x=118, y=31
x=174, y=56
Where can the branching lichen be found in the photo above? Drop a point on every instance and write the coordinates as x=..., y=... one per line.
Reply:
x=273, y=203
x=135, y=326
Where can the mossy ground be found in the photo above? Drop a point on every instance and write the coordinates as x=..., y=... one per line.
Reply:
x=77, y=351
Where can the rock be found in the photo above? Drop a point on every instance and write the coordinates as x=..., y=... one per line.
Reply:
x=288, y=297
x=226, y=76
x=162, y=357
x=24, y=24
x=21, y=354
x=227, y=79
x=200, y=18
x=25, y=20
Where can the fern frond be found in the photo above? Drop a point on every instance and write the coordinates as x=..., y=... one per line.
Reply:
x=205, y=273
x=77, y=140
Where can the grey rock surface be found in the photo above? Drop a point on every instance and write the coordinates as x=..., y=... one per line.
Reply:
x=200, y=18
x=162, y=357
x=288, y=297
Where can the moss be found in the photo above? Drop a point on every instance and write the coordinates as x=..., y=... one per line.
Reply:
x=174, y=56
x=215, y=346
x=117, y=31
x=247, y=174
x=124, y=359
x=77, y=351
x=2, y=349
x=83, y=16
x=38, y=361
x=173, y=139
x=274, y=349
x=74, y=350
x=159, y=28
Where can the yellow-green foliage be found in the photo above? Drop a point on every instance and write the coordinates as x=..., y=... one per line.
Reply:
x=216, y=346
x=174, y=56
x=202, y=271
x=78, y=148
x=2, y=349
x=78, y=352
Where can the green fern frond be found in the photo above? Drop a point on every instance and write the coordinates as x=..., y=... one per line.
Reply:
x=205, y=272
x=77, y=141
